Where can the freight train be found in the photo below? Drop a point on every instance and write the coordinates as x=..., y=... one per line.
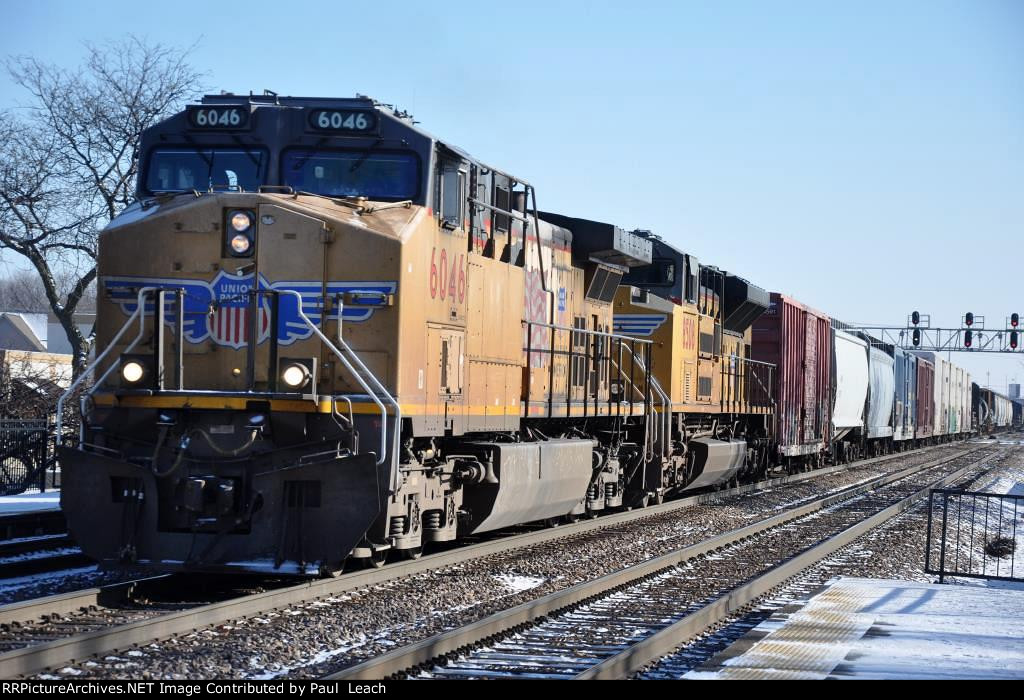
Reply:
x=992, y=411
x=325, y=335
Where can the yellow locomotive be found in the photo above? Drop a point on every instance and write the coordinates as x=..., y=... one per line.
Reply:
x=324, y=334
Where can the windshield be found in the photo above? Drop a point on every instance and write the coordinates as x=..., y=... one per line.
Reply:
x=182, y=169
x=372, y=174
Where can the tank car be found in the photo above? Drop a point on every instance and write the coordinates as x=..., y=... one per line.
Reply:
x=324, y=334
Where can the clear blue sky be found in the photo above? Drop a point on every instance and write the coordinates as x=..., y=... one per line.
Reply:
x=865, y=157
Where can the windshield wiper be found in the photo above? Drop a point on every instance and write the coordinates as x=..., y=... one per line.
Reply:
x=365, y=155
x=199, y=152
x=249, y=150
x=299, y=162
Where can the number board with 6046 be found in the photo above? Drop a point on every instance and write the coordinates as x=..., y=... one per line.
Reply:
x=220, y=117
x=350, y=121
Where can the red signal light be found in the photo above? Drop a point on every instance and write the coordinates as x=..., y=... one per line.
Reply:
x=969, y=318
x=967, y=339
x=1013, y=340
x=1014, y=319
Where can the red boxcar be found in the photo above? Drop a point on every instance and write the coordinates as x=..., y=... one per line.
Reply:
x=797, y=340
x=925, y=398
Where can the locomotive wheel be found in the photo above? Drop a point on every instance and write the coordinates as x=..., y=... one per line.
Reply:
x=376, y=560
x=413, y=553
x=332, y=570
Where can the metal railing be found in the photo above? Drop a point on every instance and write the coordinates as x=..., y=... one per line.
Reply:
x=603, y=369
x=747, y=383
x=25, y=455
x=589, y=357
x=975, y=535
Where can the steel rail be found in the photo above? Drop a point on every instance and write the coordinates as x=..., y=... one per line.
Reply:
x=451, y=642
x=31, y=523
x=36, y=658
x=663, y=642
x=74, y=601
x=55, y=561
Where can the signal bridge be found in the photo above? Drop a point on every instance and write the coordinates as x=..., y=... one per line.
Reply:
x=971, y=336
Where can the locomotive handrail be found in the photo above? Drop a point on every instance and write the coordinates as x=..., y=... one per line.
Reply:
x=625, y=379
x=585, y=331
x=771, y=368
x=362, y=382
x=139, y=311
x=498, y=210
x=666, y=404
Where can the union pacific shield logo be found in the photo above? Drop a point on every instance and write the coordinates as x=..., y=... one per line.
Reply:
x=228, y=323
x=642, y=325
x=219, y=310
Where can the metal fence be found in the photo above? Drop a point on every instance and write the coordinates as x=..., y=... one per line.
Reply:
x=975, y=535
x=26, y=452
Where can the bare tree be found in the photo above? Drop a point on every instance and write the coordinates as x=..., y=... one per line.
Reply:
x=68, y=160
x=22, y=290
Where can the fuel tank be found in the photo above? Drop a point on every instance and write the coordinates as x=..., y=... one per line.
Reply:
x=716, y=461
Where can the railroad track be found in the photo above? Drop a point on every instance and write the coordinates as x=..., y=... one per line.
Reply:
x=32, y=524
x=36, y=542
x=24, y=556
x=615, y=625
x=58, y=630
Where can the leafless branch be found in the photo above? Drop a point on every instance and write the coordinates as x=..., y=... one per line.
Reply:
x=69, y=160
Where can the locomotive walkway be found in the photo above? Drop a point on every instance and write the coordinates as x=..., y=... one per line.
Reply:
x=59, y=630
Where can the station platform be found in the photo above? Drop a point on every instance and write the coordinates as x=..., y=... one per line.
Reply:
x=867, y=628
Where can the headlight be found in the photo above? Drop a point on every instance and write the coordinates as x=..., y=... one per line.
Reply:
x=239, y=233
x=240, y=243
x=132, y=372
x=241, y=222
x=295, y=375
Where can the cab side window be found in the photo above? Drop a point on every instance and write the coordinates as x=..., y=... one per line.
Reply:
x=452, y=186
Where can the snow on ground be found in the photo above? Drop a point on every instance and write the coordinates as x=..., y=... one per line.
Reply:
x=518, y=584
x=38, y=554
x=865, y=628
x=30, y=501
x=11, y=584
x=512, y=583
